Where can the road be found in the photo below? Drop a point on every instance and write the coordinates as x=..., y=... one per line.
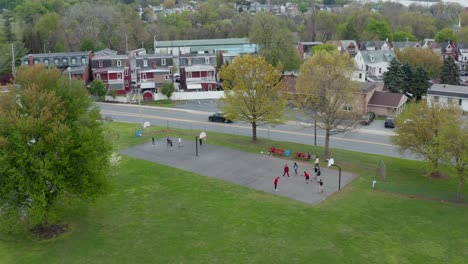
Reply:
x=372, y=139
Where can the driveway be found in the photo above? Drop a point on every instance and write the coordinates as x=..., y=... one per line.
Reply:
x=256, y=171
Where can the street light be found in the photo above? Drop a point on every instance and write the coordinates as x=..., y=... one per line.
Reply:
x=331, y=162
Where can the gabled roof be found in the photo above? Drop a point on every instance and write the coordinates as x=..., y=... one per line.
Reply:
x=387, y=99
x=58, y=55
x=105, y=52
x=377, y=56
x=404, y=44
x=367, y=86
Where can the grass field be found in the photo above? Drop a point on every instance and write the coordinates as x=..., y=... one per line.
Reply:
x=158, y=214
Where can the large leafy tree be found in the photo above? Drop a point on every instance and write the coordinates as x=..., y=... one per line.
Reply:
x=253, y=92
x=450, y=73
x=326, y=93
x=419, y=129
x=52, y=149
x=403, y=36
x=420, y=83
x=378, y=30
x=421, y=58
x=276, y=41
x=455, y=145
x=394, y=77
x=445, y=35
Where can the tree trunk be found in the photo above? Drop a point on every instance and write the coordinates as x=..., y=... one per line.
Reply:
x=254, y=131
x=327, y=143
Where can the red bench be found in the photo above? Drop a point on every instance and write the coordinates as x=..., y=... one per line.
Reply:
x=276, y=151
x=302, y=155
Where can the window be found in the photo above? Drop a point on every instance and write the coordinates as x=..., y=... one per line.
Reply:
x=436, y=99
x=73, y=61
x=348, y=108
x=56, y=61
x=380, y=70
x=163, y=62
x=65, y=61
x=119, y=63
x=36, y=61
x=145, y=63
x=83, y=61
x=189, y=62
x=126, y=72
x=170, y=70
x=26, y=62
x=207, y=61
x=166, y=77
x=360, y=76
x=126, y=83
x=119, y=76
x=209, y=87
x=189, y=75
x=143, y=76
x=100, y=64
x=46, y=62
x=98, y=76
x=459, y=102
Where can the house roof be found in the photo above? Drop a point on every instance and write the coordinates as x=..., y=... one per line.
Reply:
x=105, y=52
x=377, y=56
x=449, y=90
x=159, y=69
x=311, y=43
x=367, y=86
x=57, y=55
x=153, y=56
x=404, y=44
x=201, y=42
x=110, y=57
x=387, y=99
x=346, y=43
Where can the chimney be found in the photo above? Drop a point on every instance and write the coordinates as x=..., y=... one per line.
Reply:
x=30, y=60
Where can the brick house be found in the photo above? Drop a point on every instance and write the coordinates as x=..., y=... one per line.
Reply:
x=198, y=72
x=113, y=69
x=152, y=72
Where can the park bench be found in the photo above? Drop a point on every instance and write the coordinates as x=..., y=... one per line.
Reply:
x=276, y=151
x=302, y=155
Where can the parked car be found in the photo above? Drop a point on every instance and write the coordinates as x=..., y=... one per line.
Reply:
x=219, y=117
x=368, y=118
x=389, y=122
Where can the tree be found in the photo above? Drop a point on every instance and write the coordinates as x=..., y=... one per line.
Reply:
x=97, y=88
x=419, y=129
x=378, y=30
x=253, y=92
x=52, y=149
x=167, y=89
x=87, y=45
x=326, y=23
x=455, y=145
x=276, y=43
x=445, y=35
x=420, y=83
x=8, y=33
x=324, y=47
x=394, y=77
x=403, y=36
x=407, y=77
x=169, y=4
x=421, y=58
x=326, y=93
x=450, y=73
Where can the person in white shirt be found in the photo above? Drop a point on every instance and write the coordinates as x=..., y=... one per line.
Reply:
x=180, y=142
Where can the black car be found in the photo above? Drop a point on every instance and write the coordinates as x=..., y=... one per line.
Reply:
x=218, y=117
x=389, y=123
x=367, y=119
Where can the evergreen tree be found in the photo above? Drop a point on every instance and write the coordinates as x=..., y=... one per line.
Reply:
x=7, y=27
x=408, y=76
x=394, y=77
x=450, y=73
x=420, y=83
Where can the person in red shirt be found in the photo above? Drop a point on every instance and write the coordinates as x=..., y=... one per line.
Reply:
x=276, y=183
x=286, y=170
x=307, y=176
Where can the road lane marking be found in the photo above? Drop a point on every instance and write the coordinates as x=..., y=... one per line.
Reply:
x=105, y=112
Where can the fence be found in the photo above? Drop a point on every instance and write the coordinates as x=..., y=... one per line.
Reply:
x=178, y=96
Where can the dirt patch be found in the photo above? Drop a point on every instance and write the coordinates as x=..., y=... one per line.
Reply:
x=49, y=231
x=438, y=175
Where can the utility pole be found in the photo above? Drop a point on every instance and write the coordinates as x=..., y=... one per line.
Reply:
x=126, y=43
x=13, y=66
x=139, y=107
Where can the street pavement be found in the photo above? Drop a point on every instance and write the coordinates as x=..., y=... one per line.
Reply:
x=256, y=171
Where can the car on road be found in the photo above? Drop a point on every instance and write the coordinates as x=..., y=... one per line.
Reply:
x=368, y=118
x=389, y=122
x=218, y=117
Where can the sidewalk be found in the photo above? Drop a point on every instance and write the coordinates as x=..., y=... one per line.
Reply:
x=256, y=171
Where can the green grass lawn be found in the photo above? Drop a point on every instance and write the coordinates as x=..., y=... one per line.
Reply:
x=158, y=214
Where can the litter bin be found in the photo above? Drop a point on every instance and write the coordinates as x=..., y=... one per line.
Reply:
x=287, y=153
x=138, y=133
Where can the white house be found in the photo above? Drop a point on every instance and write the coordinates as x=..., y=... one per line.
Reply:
x=374, y=63
x=448, y=94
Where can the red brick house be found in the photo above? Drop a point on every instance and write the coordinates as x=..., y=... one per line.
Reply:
x=114, y=70
x=152, y=72
x=198, y=78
